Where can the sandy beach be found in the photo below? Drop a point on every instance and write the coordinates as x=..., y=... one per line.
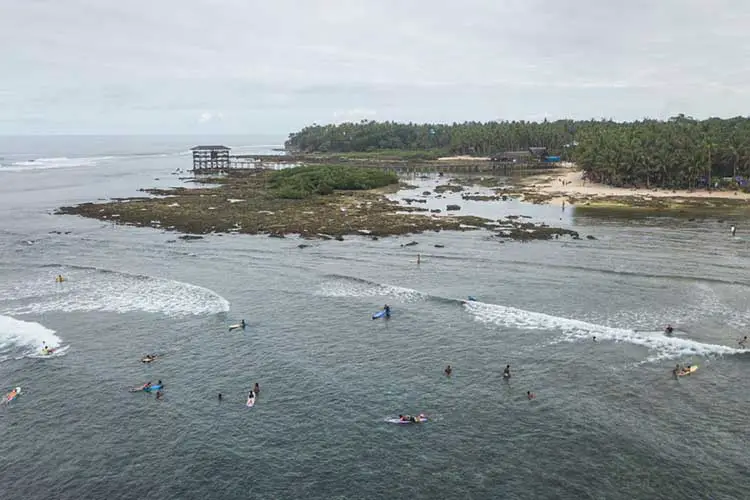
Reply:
x=569, y=183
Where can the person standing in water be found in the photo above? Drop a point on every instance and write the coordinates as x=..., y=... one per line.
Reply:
x=448, y=370
x=256, y=389
x=668, y=330
x=530, y=395
x=733, y=229
x=506, y=372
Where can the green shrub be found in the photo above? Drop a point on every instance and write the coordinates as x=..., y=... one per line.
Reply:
x=301, y=182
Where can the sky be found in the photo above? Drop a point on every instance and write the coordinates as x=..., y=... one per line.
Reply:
x=274, y=66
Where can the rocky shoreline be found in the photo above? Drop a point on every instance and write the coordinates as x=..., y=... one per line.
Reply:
x=241, y=202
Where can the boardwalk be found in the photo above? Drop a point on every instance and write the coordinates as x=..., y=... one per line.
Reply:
x=217, y=159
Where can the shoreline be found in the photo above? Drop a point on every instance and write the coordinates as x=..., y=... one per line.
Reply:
x=244, y=202
x=566, y=185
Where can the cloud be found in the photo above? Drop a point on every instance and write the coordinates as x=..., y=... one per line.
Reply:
x=207, y=117
x=92, y=66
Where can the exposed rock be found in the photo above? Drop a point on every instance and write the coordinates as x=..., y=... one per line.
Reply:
x=435, y=211
x=410, y=244
x=439, y=246
x=590, y=237
x=189, y=237
x=448, y=187
x=302, y=245
x=453, y=208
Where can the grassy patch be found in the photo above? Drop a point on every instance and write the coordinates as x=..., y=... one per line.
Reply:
x=303, y=182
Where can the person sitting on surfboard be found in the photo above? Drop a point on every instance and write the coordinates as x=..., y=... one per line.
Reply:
x=669, y=329
x=242, y=324
x=387, y=309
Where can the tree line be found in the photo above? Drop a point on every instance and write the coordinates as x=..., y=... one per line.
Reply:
x=680, y=152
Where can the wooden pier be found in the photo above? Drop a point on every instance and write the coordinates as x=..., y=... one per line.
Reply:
x=217, y=159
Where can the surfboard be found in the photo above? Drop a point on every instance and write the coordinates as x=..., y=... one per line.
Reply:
x=378, y=314
x=689, y=371
x=155, y=387
x=420, y=420
x=250, y=402
x=12, y=394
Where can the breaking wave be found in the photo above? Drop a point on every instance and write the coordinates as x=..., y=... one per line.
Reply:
x=93, y=289
x=26, y=335
x=656, y=343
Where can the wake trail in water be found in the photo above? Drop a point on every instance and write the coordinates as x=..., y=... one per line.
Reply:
x=26, y=336
x=570, y=330
x=93, y=289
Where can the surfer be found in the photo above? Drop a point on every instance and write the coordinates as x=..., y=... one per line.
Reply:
x=448, y=370
x=594, y=338
x=387, y=310
x=733, y=229
x=742, y=341
x=668, y=330
x=251, y=395
x=59, y=278
x=506, y=372
x=676, y=370
x=530, y=395
x=219, y=396
x=256, y=389
x=242, y=324
x=158, y=394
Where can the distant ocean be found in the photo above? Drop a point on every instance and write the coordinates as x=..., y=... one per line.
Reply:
x=608, y=421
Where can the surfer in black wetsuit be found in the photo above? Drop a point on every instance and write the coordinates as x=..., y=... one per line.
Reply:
x=448, y=370
x=256, y=389
x=668, y=330
x=742, y=341
x=506, y=372
x=387, y=310
x=676, y=371
x=242, y=324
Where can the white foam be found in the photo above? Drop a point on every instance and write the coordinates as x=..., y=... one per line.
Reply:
x=573, y=330
x=14, y=332
x=93, y=290
x=50, y=163
x=363, y=289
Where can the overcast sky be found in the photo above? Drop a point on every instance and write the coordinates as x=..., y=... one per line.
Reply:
x=273, y=66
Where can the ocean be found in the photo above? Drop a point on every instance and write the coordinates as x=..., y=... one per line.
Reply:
x=608, y=420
